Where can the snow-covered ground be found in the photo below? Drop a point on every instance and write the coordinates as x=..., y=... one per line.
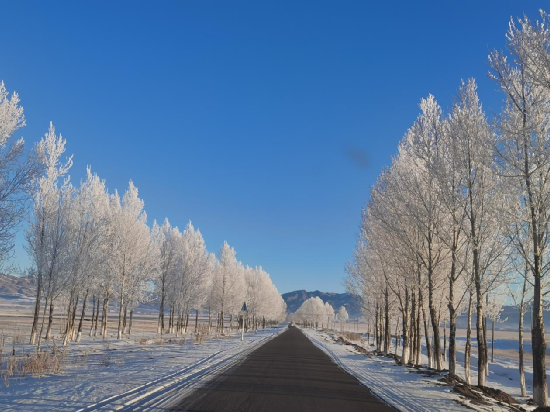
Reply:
x=127, y=374
x=406, y=389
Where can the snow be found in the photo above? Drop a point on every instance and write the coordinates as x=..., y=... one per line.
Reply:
x=404, y=389
x=123, y=375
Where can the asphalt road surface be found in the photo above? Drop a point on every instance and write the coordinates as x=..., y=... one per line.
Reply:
x=288, y=373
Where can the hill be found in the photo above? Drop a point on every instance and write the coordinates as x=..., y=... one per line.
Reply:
x=14, y=287
x=295, y=299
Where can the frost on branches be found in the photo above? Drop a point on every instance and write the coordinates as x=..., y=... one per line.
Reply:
x=91, y=250
x=459, y=221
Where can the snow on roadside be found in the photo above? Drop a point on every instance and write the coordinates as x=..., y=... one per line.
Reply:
x=124, y=375
x=399, y=386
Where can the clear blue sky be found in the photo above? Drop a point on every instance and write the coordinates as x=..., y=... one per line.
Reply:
x=252, y=119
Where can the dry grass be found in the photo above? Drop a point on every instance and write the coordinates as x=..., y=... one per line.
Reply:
x=352, y=336
x=35, y=364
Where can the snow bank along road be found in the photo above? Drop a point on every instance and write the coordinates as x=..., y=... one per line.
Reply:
x=123, y=375
x=288, y=373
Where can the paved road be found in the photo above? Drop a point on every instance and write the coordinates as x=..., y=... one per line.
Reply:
x=286, y=374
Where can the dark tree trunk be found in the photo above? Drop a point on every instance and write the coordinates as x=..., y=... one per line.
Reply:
x=196, y=320
x=96, y=316
x=387, y=325
x=50, y=321
x=130, y=323
x=83, y=313
x=105, y=317
x=160, y=326
x=36, y=316
x=427, y=338
x=405, y=317
x=93, y=315
x=468, y=348
x=39, y=345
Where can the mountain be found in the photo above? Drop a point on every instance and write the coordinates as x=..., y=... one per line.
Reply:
x=295, y=299
x=12, y=287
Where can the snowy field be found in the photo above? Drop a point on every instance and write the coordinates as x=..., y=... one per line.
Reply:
x=408, y=390
x=127, y=374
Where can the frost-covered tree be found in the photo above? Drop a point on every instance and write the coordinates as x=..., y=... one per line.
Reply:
x=479, y=186
x=168, y=239
x=312, y=312
x=131, y=241
x=193, y=275
x=342, y=316
x=524, y=159
x=229, y=287
x=46, y=234
x=18, y=173
x=88, y=236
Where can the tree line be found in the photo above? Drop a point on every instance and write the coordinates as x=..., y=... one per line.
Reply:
x=89, y=248
x=459, y=223
x=313, y=312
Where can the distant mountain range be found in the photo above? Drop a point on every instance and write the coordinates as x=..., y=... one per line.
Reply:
x=16, y=286
x=295, y=299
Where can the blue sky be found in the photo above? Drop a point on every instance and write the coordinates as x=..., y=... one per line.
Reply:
x=265, y=123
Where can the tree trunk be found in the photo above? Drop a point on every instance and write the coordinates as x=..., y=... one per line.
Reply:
x=445, y=340
x=468, y=348
x=96, y=316
x=50, y=321
x=160, y=326
x=418, y=355
x=36, y=316
x=70, y=335
x=387, y=326
x=124, y=317
x=196, y=320
x=413, y=329
x=427, y=338
x=378, y=334
x=171, y=320
x=69, y=311
x=39, y=345
x=93, y=315
x=186, y=321
x=451, y=307
x=540, y=390
x=405, y=317
x=120, y=311
x=396, y=334
x=452, y=338
x=82, y=314
x=105, y=316
x=485, y=337
x=481, y=346
x=130, y=323
x=520, y=338
x=433, y=316
x=492, y=340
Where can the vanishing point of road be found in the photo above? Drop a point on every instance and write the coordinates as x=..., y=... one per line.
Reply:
x=286, y=374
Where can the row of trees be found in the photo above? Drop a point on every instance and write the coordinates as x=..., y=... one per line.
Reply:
x=314, y=312
x=461, y=216
x=89, y=246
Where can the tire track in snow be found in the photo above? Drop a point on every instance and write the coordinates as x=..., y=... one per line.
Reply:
x=151, y=395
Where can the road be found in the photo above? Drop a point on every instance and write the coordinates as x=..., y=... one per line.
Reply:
x=286, y=374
